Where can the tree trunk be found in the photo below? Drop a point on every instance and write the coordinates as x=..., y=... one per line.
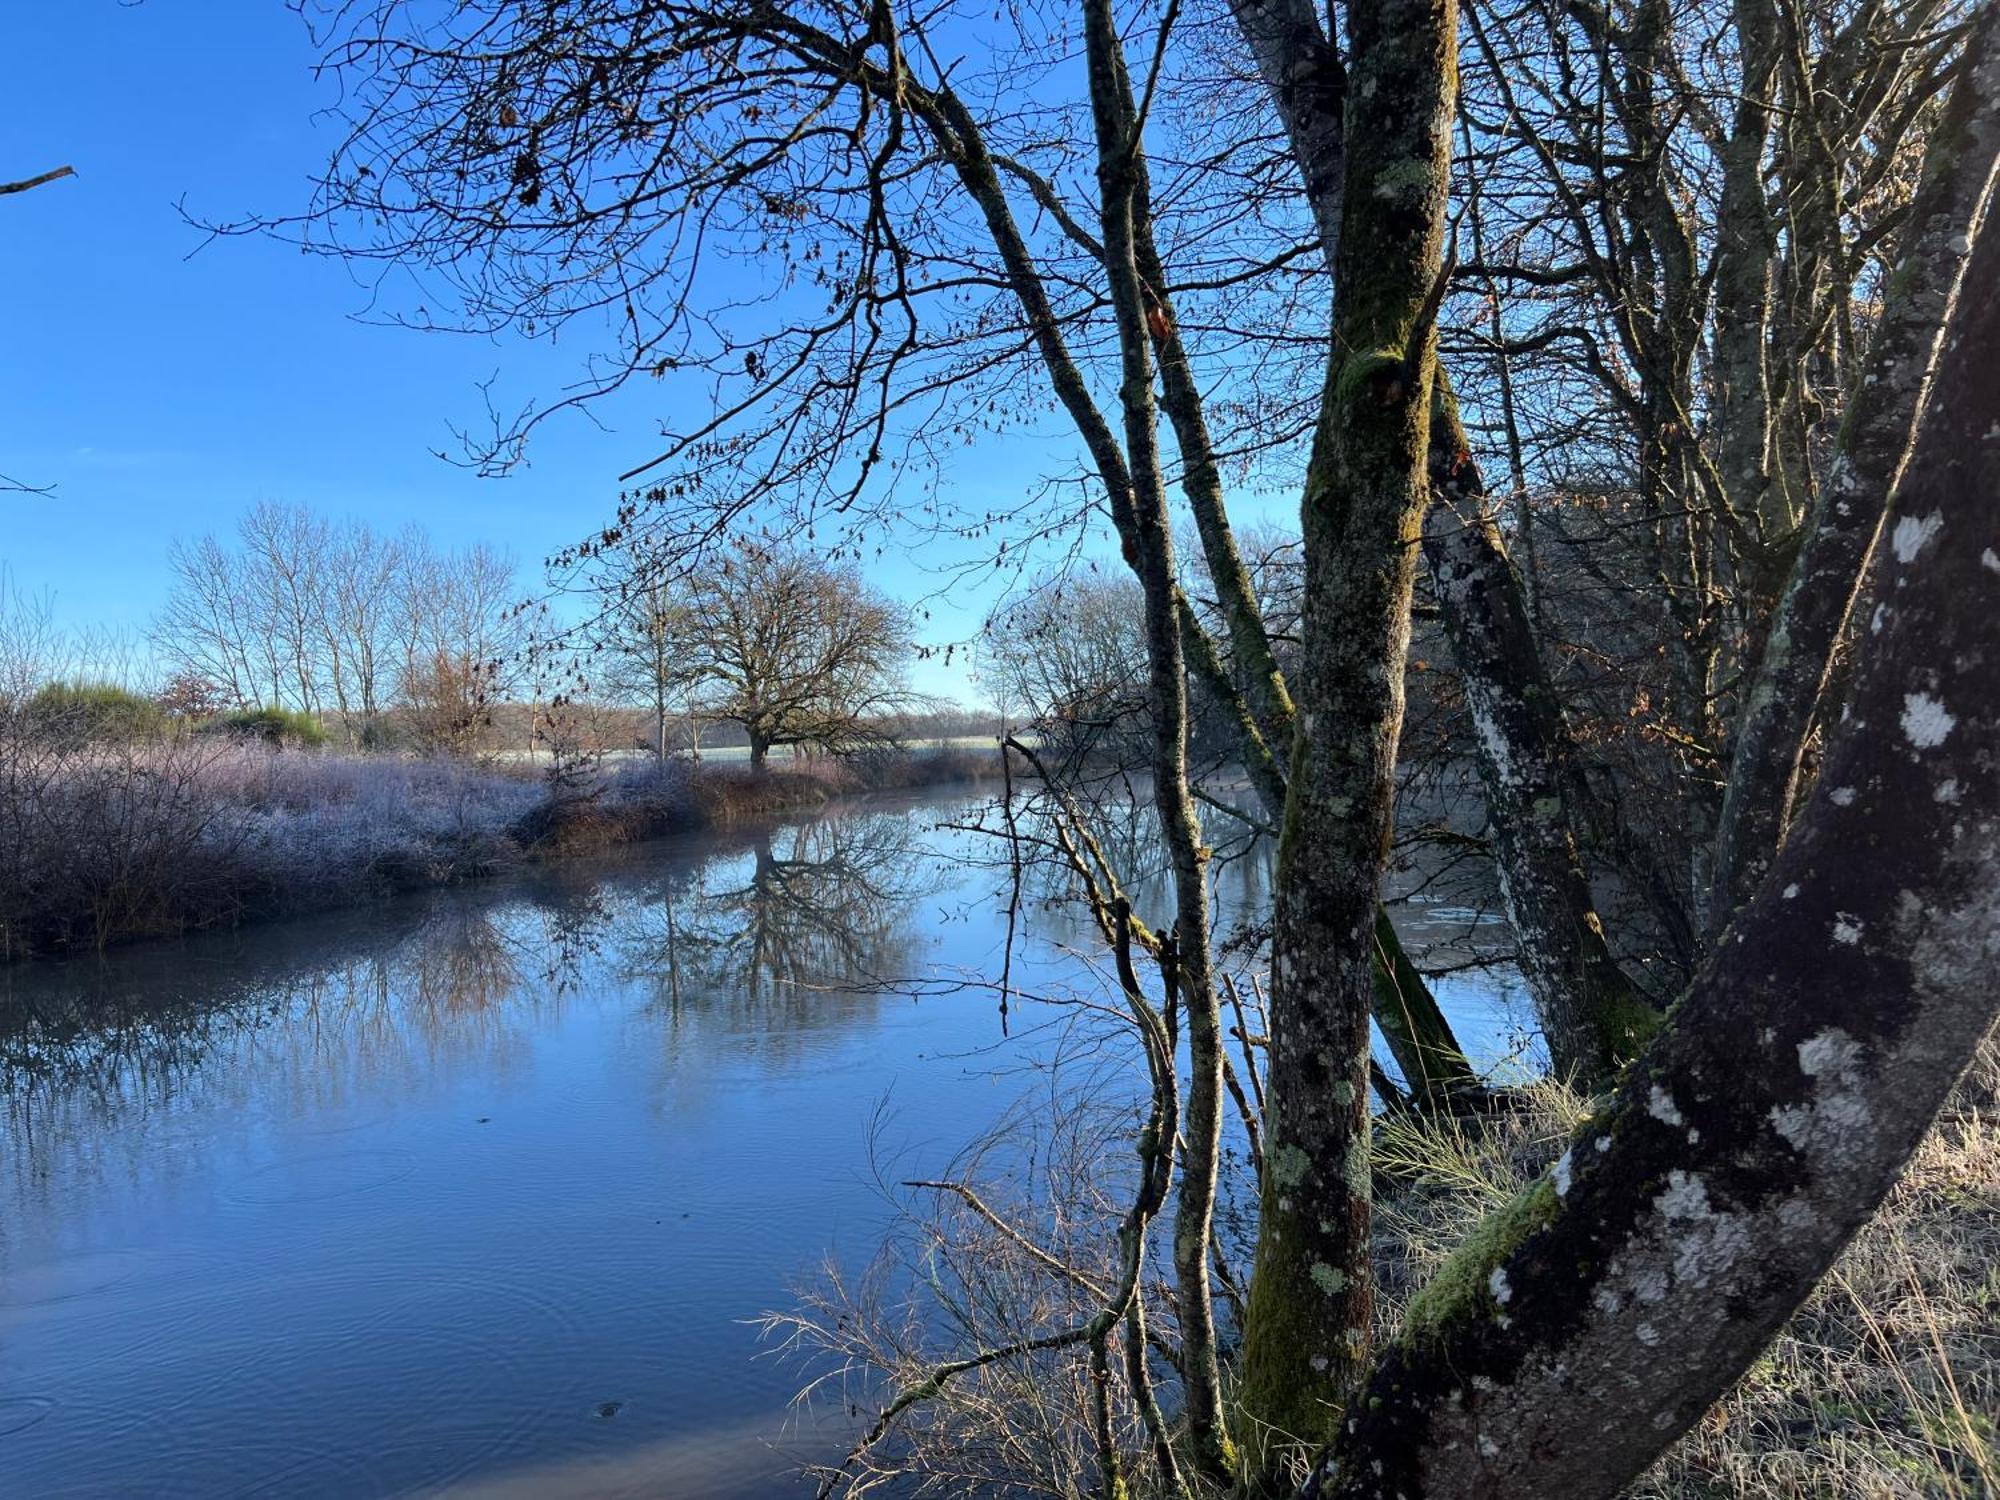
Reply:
x=1149, y=551
x=1584, y=1327
x=1593, y=1017
x=1788, y=682
x=1306, y=1326
x=1434, y=1067
x=1746, y=248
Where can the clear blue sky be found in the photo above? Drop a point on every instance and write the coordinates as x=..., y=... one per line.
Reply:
x=162, y=391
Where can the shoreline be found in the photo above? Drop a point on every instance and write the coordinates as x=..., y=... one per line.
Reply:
x=243, y=841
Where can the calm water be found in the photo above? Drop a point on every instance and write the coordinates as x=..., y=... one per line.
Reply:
x=475, y=1195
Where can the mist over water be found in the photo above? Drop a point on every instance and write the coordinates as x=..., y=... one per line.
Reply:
x=475, y=1194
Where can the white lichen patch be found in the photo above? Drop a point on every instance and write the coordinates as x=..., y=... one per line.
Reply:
x=1560, y=1173
x=1709, y=1241
x=1835, y=1112
x=1686, y=1197
x=1990, y=560
x=1499, y=753
x=1841, y=796
x=1792, y=892
x=1289, y=1166
x=1926, y=721
x=1846, y=929
x=1660, y=1105
x=1830, y=1054
x=1911, y=534
x=1947, y=791
x=1498, y=1285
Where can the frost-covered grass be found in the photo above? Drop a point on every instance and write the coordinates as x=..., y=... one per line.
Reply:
x=103, y=844
x=1885, y=1384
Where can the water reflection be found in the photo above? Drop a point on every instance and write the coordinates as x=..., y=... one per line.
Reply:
x=820, y=906
x=397, y=1200
x=474, y=1193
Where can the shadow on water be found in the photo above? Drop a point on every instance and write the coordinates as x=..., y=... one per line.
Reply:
x=474, y=1193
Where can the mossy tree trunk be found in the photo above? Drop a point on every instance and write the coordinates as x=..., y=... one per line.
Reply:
x=1591, y=1322
x=1306, y=1328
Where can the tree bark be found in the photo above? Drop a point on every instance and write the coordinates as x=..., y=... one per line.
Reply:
x=1150, y=554
x=1593, y=1017
x=1790, y=679
x=1306, y=1326
x=1746, y=248
x=1588, y=1324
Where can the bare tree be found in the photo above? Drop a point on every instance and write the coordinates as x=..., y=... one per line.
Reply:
x=1072, y=659
x=948, y=236
x=305, y=615
x=637, y=635
x=794, y=650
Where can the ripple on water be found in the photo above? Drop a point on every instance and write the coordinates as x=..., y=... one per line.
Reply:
x=72, y=1278
x=19, y=1413
x=314, y=1179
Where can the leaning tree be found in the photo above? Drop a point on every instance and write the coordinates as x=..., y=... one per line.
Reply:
x=1097, y=223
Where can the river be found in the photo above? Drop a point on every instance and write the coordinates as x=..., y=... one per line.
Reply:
x=478, y=1193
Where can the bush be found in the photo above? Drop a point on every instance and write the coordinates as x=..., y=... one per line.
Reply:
x=274, y=726
x=93, y=711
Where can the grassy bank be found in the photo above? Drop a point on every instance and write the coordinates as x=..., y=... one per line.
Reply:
x=118, y=844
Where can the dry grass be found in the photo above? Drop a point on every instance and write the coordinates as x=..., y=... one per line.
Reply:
x=1885, y=1386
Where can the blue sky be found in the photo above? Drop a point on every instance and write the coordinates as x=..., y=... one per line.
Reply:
x=162, y=387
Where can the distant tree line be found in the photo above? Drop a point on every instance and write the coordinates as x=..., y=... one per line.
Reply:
x=339, y=621
x=301, y=628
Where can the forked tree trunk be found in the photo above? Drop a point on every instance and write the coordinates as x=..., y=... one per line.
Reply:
x=1789, y=680
x=1307, y=1324
x=1584, y=1327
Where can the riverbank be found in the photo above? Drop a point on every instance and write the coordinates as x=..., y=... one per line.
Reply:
x=180, y=837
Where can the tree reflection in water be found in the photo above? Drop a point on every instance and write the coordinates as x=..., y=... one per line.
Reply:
x=823, y=906
x=769, y=921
